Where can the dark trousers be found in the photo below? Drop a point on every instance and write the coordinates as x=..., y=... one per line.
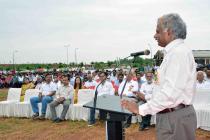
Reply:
x=91, y=119
x=145, y=121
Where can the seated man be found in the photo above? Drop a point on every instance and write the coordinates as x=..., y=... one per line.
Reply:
x=64, y=96
x=201, y=83
x=117, y=83
x=105, y=87
x=45, y=96
x=90, y=84
x=145, y=95
x=129, y=91
x=130, y=87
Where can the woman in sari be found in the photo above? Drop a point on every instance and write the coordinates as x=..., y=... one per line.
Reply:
x=77, y=86
x=26, y=85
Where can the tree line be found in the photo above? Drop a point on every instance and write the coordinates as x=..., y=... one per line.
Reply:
x=138, y=62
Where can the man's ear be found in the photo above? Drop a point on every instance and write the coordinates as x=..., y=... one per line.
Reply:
x=170, y=33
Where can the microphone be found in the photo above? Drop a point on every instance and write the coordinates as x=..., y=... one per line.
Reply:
x=145, y=52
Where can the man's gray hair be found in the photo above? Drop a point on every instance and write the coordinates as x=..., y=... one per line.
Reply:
x=176, y=24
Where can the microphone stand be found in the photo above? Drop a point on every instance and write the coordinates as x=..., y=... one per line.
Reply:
x=96, y=94
x=96, y=91
x=126, y=77
x=127, y=123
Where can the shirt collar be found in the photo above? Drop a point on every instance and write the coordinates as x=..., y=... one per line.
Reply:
x=173, y=44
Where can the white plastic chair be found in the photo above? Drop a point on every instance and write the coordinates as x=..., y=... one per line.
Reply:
x=23, y=109
x=6, y=107
x=201, y=103
x=78, y=112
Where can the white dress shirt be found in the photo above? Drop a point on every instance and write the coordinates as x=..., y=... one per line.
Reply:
x=47, y=88
x=130, y=87
x=177, y=79
x=203, y=85
x=105, y=88
x=58, y=84
x=39, y=86
x=90, y=84
x=147, y=90
x=65, y=91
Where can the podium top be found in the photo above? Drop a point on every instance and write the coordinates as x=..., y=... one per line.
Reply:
x=108, y=103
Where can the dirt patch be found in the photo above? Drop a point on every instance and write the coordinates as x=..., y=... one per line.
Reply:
x=27, y=129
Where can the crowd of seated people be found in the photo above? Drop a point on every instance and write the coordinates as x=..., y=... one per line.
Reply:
x=62, y=88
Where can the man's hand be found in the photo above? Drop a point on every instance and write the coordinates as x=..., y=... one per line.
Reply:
x=40, y=95
x=140, y=95
x=60, y=100
x=130, y=105
x=51, y=93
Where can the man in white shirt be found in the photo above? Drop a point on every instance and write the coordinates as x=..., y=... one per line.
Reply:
x=201, y=82
x=90, y=83
x=56, y=81
x=105, y=87
x=176, y=117
x=95, y=75
x=120, y=78
x=130, y=87
x=64, y=95
x=20, y=79
x=45, y=96
x=139, y=80
x=145, y=95
x=113, y=76
x=38, y=83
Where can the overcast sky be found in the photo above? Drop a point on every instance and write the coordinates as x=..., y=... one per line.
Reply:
x=101, y=29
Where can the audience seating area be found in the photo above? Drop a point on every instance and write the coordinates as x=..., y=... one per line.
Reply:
x=13, y=108
x=201, y=104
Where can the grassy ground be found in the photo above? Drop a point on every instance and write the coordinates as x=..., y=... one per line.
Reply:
x=27, y=129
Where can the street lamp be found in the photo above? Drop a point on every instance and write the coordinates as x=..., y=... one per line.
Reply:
x=75, y=55
x=13, y=58
x=67, y=53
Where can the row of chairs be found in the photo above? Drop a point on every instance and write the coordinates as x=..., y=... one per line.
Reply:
x=12, y=107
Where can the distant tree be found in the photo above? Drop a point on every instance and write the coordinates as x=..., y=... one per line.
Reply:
x=81, y=64
x=109, y=63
